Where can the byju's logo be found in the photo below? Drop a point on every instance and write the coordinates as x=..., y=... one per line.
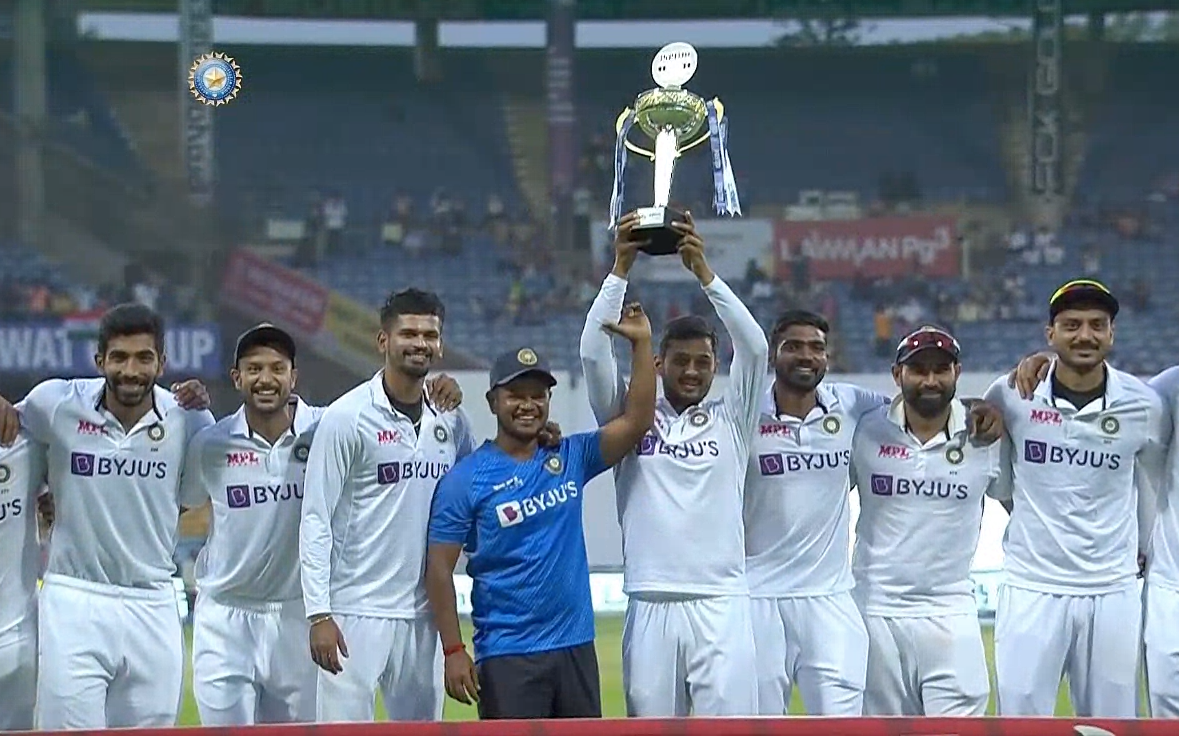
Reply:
x=1035, y=451
x=238, y=497
x=796, y=462
x=82, y=463
x=509, y=514
x=388, y=473
x=771, y=464
x=881, y=484
x=1042, y=453
x=243, y=496
x=89, y=465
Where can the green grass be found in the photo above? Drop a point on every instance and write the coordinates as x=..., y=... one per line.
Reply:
x=609, y=645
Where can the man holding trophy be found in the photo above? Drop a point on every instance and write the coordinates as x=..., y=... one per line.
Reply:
x=688, y=636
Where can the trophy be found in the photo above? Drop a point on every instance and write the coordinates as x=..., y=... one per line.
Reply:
x=676, y=120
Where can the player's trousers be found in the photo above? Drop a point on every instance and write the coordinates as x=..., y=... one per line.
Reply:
x=1161, y=637
x=252, y=664
x=926, y=666
x=18, y=676
x=400, y=658
x=1093, y=638
x=692, y=656
x=818, y=643
x=109, y=656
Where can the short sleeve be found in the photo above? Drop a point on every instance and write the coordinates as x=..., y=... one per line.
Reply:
x=464, y=434
x=194, y=491
x=865, y=401
x=996, y=395
x=38, y=406
x=585, y=450
x=452, y=515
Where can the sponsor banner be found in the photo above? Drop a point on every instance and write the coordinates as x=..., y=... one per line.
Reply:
x=352, y=325
x=874, y=247
x=196, y=120
x=268, y=290
x=730, y=245
x=1045, y=100
x=60, y=349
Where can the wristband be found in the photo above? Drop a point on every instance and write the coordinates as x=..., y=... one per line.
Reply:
x=320, y=618
x=453, y=649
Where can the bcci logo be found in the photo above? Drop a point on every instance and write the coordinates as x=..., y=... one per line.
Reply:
x=302, y=452
x=440, y=433
x=155, y=432
x=1110, y=425
x=214, y=79
x=954, y=456
x=526, y=357
x=553, y=465
x=831, y=425
x=698, y=419
x=5, y=473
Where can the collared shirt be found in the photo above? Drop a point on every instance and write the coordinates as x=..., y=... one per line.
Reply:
x=366, y=503
x=1074, y=528
x=256, y=491
x=680, y=493
x=1163, y=556
x=921, y=506
x=22, y=476
x=797, y=506
x=116, y=493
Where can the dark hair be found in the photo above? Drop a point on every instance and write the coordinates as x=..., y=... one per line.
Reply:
x=411, y=301
x=125, y=320
x=688, y=327
x=792, y=317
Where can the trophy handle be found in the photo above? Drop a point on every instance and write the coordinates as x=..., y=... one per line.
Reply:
x=641, y=151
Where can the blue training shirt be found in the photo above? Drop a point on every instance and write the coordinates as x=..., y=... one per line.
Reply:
x=520, y=525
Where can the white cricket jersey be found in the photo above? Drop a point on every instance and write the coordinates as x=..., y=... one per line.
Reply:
x=366, y=503
x=797, y=507
x=116, y=493
x=252, y=554
x=921, y=507
x=1074, y=529
x=22, y=476
x=680, y=493
x=1163, y=557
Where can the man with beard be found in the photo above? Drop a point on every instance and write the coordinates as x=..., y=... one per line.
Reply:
x=1069, y=601
x=110, y=646
x=688, y=638
x=515, y=508
x=921, y=485
x=376, y=457
x=249, y=659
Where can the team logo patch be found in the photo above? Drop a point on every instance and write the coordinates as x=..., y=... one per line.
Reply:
x=698, y=419
x=214, y=79
x=954, y=456
x=831, y=425
x=302, y=452
x=1110, y=425
x=440, y=433
x=509, y=514
x=553, y=464
x=155, y=432
x=526, y=357
x=5, y=473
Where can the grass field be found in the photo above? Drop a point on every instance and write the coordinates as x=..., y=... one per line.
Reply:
x=609, y=645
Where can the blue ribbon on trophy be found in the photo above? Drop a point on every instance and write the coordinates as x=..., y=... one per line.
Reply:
x=676, y=120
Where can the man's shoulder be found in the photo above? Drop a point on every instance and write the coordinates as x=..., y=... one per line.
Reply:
x=1137, y=390
x=347, y=407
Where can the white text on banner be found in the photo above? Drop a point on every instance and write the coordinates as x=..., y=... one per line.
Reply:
x=730, y=245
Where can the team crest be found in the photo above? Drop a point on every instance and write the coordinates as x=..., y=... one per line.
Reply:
x=553, y=464
x=1110, y=425
x=831, y=424
x=526, y=357
x=954, y=456
x=698, y=419
x=440, y=433
x=214, y=79
x=5, y=473
x=155, y=432
x=302, y=452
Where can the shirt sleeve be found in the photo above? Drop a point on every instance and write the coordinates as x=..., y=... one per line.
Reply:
x=452, y=514
x=603, y=381
x=1001, y=487
x=1151, y=464
x=464, y=434
x=996, y=395
x=586, y=449
x=37, y=408
x=194, y=491
x=749, y=373
x=867, y=401
x=333, y=447
x=195, y=420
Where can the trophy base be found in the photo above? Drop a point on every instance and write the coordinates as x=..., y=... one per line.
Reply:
x=655, y=227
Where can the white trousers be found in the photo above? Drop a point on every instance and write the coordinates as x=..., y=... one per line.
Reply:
x=252, y=665
x=1161, y=637
x=18, y=677
x=110, y=657
x=818, y=643
x=401, y=658
x=926, y=666
x=1039, y=637
x=689, y=657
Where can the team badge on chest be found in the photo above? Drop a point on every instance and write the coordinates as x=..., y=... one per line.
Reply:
x=698, y=418
x=5, y=473
x=440, y=433
x=553, y=464
x=831, y=424
x=301, y=453
x=955, y=456
x=1110, y=425
x=155, y=432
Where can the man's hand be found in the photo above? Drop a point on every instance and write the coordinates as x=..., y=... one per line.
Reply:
x=634, y=325
x=444, y=392
x=1141, y=564
x=191, y=395
x=9, y=423
x=985, y=423
x=327, y=646
x=462, y=682
x=1030, y=373
x=550, y=436
x=46, y=508
x=626, y=245
x=691, y=250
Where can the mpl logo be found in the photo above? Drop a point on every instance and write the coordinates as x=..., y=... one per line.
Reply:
x=777, y=429
x=509, y=514
x=90, y=428
x=388, y=436
x=1046, y=416
x=242, y=459
x=897, y=452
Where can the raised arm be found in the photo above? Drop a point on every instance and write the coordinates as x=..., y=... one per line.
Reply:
x=623, y=433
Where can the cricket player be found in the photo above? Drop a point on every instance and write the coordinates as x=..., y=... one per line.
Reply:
x=110, y=645
x=688, y=638
x=515, y=508
x=377, y=454
x=22, y=478
x=1069, y=602
x=922, y=483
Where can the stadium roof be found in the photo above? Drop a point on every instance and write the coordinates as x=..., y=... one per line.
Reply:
x=623, y=9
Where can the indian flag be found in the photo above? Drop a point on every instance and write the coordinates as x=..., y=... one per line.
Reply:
x=83, y=325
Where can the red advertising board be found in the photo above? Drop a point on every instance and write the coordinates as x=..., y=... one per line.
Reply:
x=271, y=291
x=874, y=247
